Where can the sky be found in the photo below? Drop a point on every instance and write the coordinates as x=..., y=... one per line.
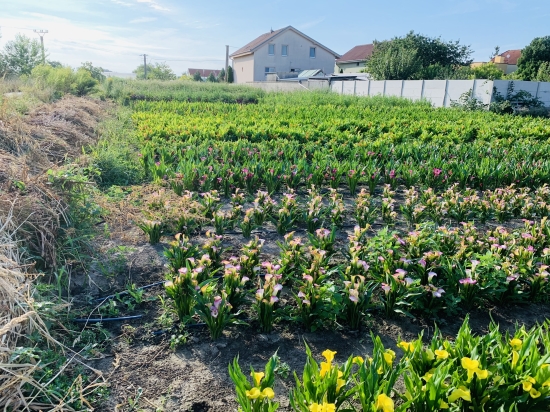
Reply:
x=193, y=34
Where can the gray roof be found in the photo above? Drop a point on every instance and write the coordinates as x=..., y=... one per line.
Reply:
x=266, y=37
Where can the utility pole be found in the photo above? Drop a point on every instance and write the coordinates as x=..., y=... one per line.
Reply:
x=41, y=33
x=226, y=61
x=144, y=65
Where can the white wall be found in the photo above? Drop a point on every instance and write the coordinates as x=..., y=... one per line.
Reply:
x=298, y=56
x=243, y=69
x=441, y=93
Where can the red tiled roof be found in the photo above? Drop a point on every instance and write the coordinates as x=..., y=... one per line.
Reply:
x=361, y=52
x=257, y=41
x=510, y=56
x=204, y=72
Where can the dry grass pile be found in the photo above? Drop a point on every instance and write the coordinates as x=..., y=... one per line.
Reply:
x=32, y=144
x=20, y=389
x=31, y=212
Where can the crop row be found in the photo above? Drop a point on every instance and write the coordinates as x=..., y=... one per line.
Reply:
x=324, y=139
x=493, y=372
x=426, y=272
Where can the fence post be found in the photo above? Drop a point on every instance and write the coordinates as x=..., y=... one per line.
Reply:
x=368, y=88
x=445, y=94
x=422, y=92
x=402, y=85
x=384, y=91
x=355, y=87
x=342, y=88
x=537, y=93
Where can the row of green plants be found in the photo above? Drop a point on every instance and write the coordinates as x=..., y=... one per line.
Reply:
x=494, y=372
x=428, y=272
x=128, y=91
x=315, y=209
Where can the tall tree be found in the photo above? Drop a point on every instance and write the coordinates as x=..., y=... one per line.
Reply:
x=157, y=71
x=221, y=76
x=211, y=78
x=392, y=61
x=21, y=55
x=532, y=57
x=96, y=72
x=230, y=78
x=416, y=56
x=197, y=76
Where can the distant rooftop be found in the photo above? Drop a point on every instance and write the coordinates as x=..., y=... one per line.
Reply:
x=204, y=72
x=357, y=54
x=509, y=56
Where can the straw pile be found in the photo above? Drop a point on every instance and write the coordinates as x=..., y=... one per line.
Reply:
x=31, y=212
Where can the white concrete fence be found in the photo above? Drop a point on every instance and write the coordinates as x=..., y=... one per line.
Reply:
x=440, y=92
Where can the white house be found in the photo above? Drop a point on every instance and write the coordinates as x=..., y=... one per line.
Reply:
x=281, y=51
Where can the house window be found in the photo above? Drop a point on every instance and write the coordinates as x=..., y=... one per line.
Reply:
x=284, y=50
x=357, y=64
x=312, y=52
x=271, y=49
x=270, y=69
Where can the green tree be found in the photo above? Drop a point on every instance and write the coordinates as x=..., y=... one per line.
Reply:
x=392, y=61
x=21, y=55
x=211, y=78
x=416, y=56
x=221, y=76
x=197, y=76
x=95, y=72
x=488, y=71
x=532, y=57
x=230, y=78
x=543, y=75
x=156, y=71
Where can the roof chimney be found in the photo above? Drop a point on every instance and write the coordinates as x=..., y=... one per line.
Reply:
x=272, y=30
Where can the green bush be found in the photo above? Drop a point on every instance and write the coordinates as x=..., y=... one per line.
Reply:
x=63, y=80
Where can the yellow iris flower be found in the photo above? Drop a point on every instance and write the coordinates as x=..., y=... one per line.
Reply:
x=441, y=354
x=384, y=403
x=323, y=407
x=515, y=358
x=268, y=393
x=461, y=392
x=472, y=366
x=389, y=356
x=534, y=393
x=516, y=343
x=329, y=355
x=528, y=383
x=257, y=376
x=253, y=393
x=339, y=384
x=358, y=360
x=325, y=368
x=430, y=355
x=443, y=405
x=406, y=346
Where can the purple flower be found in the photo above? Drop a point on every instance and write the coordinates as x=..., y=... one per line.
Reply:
x=277, y=287
x=273, y=299
x=431, y=275
x=183, y=271
x=214, y=311
x=468, y=281
x=306, y=302
x=301, y=294
x=308, y=278
x=217, y=301
x=408, y=281
x=437, y=293
x=386, y=288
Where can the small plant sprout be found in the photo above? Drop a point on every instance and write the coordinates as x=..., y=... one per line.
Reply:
x=153, y=229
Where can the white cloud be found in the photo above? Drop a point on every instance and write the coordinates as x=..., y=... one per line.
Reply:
x=310, y=24
x=122, y=3
x=143, y=20
x=154, y=5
